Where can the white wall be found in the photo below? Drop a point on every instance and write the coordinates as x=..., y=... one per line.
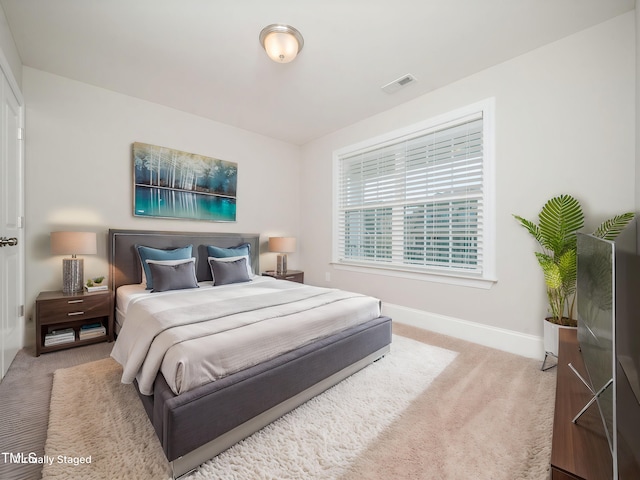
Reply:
x=565, y=124
x=79, y=172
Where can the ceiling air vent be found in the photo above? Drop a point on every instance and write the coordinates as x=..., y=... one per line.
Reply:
x=399, y=83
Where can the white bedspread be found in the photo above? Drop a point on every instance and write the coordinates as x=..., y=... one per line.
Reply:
x=199, y=335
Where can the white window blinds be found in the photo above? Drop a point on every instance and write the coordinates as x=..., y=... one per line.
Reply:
x=415, y=203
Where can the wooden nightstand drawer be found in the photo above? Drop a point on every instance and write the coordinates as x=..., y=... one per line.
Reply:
x=291, y=275
x=75, y=308
x=65, y=321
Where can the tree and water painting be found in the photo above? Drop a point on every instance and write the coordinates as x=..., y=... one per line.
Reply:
x=171, y=183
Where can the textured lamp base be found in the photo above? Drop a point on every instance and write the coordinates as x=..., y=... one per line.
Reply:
x=72, y=275
x=281, y=264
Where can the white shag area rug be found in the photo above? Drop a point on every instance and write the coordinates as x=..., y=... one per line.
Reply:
x=94, y=415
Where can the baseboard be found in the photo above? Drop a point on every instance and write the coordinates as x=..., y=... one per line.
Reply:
x=510, y=341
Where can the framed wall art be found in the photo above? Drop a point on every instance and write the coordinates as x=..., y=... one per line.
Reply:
x=173, y=184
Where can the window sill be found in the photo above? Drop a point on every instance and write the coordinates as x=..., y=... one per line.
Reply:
x=446, y=278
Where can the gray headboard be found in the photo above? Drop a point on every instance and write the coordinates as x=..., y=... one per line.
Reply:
x=124, y=264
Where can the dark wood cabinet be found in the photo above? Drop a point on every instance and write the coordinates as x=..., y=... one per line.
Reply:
x=291, y=275
x=59, y=311
x=579, y=450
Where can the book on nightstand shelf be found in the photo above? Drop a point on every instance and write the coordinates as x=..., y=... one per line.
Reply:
x=96, y=288
x=92, y=330
x=97, y=284
x=57, y=337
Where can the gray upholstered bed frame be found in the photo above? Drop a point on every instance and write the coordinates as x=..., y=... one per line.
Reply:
x=197, y=425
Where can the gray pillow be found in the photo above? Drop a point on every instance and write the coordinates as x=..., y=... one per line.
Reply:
x=173, y=277
x=225, y=273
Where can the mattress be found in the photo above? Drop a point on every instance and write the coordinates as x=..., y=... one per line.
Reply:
x=197, y=336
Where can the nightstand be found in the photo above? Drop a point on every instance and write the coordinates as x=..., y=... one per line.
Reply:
x=75, y=313
x=291, y=275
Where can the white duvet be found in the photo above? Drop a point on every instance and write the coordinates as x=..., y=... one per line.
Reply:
x=197, y=336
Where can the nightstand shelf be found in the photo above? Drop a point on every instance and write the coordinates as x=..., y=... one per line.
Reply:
x=291, y=275
x=57, y=311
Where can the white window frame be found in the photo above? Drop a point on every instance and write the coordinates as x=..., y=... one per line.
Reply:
x=487, y=277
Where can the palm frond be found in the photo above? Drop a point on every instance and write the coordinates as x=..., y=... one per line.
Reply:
x=531, y=227
x=552, y=276
x=611, y=228
x=568, y=266
x=560, y=218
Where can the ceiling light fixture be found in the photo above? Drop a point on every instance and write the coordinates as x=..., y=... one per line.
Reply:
x=281, y=42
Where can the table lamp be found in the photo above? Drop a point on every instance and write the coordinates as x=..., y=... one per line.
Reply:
x=282, y=245
x=73, y=243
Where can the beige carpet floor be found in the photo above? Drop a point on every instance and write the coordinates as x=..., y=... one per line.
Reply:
x=488, y=415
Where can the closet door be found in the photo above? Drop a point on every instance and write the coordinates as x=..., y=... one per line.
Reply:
x=11, y=231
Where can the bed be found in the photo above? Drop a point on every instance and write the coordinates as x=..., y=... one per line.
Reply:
x=196, y=424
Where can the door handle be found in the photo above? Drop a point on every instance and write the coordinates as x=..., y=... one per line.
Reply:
x=8, y=242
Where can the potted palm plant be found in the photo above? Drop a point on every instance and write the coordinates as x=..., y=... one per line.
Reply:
x=558, y=222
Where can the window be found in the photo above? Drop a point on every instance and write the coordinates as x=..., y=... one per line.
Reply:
x=420, y=200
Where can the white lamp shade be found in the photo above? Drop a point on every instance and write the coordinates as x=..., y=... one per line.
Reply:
x=281, y=47
x=282, y=244
x=281, y=42
x=73, y=243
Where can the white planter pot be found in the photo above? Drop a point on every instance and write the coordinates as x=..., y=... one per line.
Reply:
x=552, y=337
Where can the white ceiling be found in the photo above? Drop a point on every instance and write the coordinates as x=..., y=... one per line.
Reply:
x=203, y=56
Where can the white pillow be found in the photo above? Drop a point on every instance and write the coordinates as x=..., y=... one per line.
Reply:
x=172, y=262
x=230, y=259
